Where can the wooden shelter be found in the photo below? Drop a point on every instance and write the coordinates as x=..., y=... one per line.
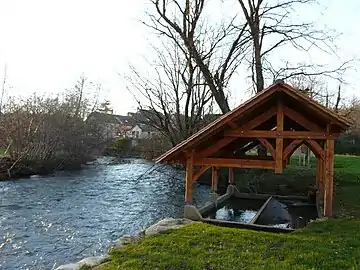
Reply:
x=281, y=119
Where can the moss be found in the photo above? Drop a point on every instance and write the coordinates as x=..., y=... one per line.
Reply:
x=333, y=244
x=85, y=267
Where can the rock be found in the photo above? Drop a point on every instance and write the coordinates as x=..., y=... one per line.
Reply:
x=125, y=240
x=167, y=224
x=91, y=261
x=319, y=220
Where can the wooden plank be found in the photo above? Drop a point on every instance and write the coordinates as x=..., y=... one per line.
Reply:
x=214, y=178
x=231, y=176
x=316, y=148
x=329, y=177
x=255, y=218
x=202, y=170
x=289, y=150
x=281, y=134
x=279, y=141
x=301, y=120
x=236, y=163
x=256, y=227
x=263, y=196
x=189, y=176
x=268, y=146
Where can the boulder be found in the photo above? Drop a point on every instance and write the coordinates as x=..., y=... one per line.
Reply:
x=91, y=261
x=125, y=240
x=167, y=224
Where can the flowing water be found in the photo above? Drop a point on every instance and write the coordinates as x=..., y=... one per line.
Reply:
x=51, y=220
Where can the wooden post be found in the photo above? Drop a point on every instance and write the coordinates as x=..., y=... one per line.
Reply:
x=231, y=176
x=279, y=141
x=189, y=176
x=329, y=178
x=214, y=178
x=318, y=172
x=320, y=177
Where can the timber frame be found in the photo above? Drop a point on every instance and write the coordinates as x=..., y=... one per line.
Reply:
x=279, y=118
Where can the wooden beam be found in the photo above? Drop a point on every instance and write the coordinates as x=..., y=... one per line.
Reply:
x=248, y=126
x=236, y=163
x=301, y=120
x=289, y=150
x=279, y=140
x=202, y=170
x=268, y=146
x=262, y=208
x=316, y=148
x=233, y=125
x=231, y=176
x=309, y=102
x=329, y=177
x=258, y=120
x=305, y=135
x=189, y=176
x=214, y=178
x=216, y=147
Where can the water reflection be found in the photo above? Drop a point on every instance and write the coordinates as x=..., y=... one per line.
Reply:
x=70, y=215
x=238, y=210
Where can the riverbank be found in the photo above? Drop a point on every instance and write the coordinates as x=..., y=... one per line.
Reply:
x=325, y=245
x=13, y=169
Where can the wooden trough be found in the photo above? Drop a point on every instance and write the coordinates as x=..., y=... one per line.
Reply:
x=266, y=219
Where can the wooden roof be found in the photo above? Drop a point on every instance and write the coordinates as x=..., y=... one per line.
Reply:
x=260, y=103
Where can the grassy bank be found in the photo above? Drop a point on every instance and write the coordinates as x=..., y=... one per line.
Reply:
x=333, y=244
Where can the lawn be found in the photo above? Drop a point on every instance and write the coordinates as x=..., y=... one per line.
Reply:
x=2, y=152
x=333, y=244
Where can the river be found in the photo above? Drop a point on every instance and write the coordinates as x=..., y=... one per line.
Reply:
x=46, y=221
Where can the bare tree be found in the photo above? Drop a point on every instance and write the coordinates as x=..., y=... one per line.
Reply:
x=216, y=50
x=50, y=132
x=272, y=26
x=3, y=90
x=175, y=98
x=317, y=88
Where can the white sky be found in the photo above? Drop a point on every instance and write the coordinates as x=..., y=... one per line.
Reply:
x=47, y=44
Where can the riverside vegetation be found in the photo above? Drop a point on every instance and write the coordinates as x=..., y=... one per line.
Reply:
x=44, y=133
x=332, y=244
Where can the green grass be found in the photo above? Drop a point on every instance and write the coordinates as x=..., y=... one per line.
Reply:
x=2, y=152
x=334, y=244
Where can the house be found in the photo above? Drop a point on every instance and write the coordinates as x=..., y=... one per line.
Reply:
x=142, y=131
x=108, y=124
x=112, y=125
x=132, y=125
x=147, y=116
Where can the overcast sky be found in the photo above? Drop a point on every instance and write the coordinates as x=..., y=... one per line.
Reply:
x=47, y=44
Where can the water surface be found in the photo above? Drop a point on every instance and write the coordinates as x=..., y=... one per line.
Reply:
x=52, y=220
